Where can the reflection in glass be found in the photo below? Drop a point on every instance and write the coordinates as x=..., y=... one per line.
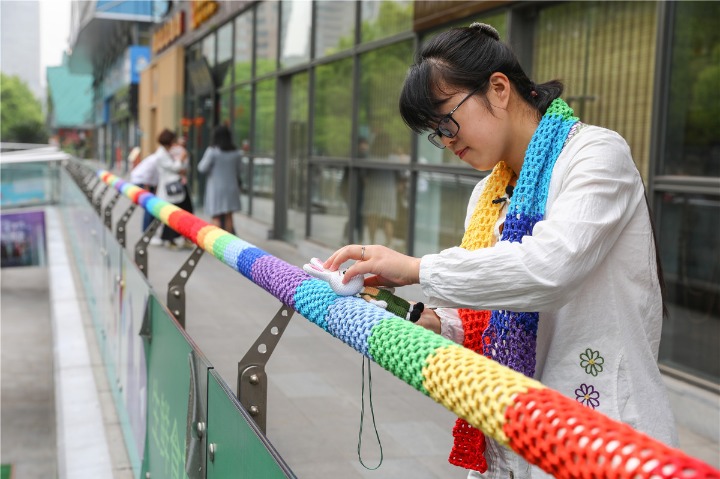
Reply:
x=384, y=207
x=295, y=32
x=264, y=149
x=385, y=18
x=441, y=207
x=382, y=73
x=689, y=229
x=242, y=116
x=208, y=49
x=266, y=44
x=297, y=155
x=334, y=27
x=333, y=109
x=225, y=104
x=606, y=64
x=692, y=140
x=223, y=72
x=243, y=46
x=328, y=205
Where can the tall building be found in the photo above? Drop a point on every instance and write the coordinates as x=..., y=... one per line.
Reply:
x=20, y=42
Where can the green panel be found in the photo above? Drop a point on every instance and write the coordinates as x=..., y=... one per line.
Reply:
x=241, y=450
x=6, y=471
x=167, y=399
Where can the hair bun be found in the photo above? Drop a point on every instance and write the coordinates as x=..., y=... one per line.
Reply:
x=488, y=30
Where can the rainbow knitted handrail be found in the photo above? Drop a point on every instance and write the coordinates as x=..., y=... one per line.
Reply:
x=557, y=433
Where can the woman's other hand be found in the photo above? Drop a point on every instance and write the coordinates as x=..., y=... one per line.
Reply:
x=388, y=267
x=429, y=320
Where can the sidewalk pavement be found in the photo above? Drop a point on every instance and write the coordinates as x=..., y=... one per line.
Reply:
x=314, y=393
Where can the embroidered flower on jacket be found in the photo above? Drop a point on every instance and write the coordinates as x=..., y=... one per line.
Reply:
x=591, y=361
x=587, y=395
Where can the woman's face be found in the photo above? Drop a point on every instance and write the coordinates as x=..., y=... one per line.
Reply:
x=480, y=140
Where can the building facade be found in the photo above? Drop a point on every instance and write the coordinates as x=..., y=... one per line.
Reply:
x=310, y=90
x=110, y=40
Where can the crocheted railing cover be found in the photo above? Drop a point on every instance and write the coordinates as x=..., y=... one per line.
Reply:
x=519, y=412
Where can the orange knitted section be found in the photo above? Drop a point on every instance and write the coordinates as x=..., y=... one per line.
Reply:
x=570, y=440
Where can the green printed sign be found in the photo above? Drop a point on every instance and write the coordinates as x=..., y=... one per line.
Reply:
x=239, y=449
x=168, y=391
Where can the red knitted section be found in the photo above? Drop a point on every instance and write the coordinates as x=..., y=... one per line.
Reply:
x=468, y=447
x=469, y=442
x=570, y=440
x=474, y=324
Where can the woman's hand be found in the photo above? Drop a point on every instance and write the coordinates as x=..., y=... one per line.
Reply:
x=389, y=267
x=429, y=320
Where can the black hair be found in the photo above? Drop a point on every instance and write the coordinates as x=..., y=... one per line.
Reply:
x=222, y=138
x=166, y=138
x=461, y=59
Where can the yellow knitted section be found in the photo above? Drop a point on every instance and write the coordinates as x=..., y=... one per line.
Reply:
x=166, y=211
x=480, y=231
x=133, y=190
x=210, y=238
x=474, y=387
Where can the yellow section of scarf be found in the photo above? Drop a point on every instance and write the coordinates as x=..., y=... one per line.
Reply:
x=480, y=231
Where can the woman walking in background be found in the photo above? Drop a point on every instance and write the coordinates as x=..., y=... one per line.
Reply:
x=221, y=164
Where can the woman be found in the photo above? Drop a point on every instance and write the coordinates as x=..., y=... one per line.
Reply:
x=222, y=163
x=170, y=186
x=558, y=244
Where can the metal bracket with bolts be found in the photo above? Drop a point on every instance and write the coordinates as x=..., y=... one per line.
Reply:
x=176, y=286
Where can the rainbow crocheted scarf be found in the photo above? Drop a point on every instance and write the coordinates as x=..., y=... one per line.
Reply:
x=506, y=336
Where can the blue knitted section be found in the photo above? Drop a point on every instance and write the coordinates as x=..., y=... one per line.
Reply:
x=154, y=205
x=351, y=319
x=511, y=337
x=313, y=299
x=232, y=252
x=246, y=260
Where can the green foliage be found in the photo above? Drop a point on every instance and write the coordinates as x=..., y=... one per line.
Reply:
x=21, y=116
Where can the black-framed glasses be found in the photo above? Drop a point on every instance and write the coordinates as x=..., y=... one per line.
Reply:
x=447, y=126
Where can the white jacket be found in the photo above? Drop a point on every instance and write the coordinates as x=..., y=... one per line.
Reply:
x=168, y=172
x=589, y=268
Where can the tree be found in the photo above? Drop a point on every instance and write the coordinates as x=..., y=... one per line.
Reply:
x=21, y=117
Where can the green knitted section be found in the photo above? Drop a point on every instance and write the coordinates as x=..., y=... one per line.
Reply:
x=560, y=108
x=220, y=244
x=402, y=348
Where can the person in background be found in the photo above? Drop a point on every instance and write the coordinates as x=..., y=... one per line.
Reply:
x=558, y=275
x=170, y=186
x=180, y=154
x=222, y=166
x=144, y=174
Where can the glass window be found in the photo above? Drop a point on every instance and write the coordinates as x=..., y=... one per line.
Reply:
x=223, y=72
x=605, y=54
x=692, y=141
x=264, y=148
x=329, y=208
x=295, y=32
x=385, y=18
x=384, y=205
x=243, y=47
x=241, y=133
x=225, y=108
x=382, y=73
x=441, y=206
x=266, y=38
x=208, y=49
x=334, y=27
x=689, y=232
x=297, y=155
x=333, y=109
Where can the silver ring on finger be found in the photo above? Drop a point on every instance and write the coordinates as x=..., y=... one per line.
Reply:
x=362, y=253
